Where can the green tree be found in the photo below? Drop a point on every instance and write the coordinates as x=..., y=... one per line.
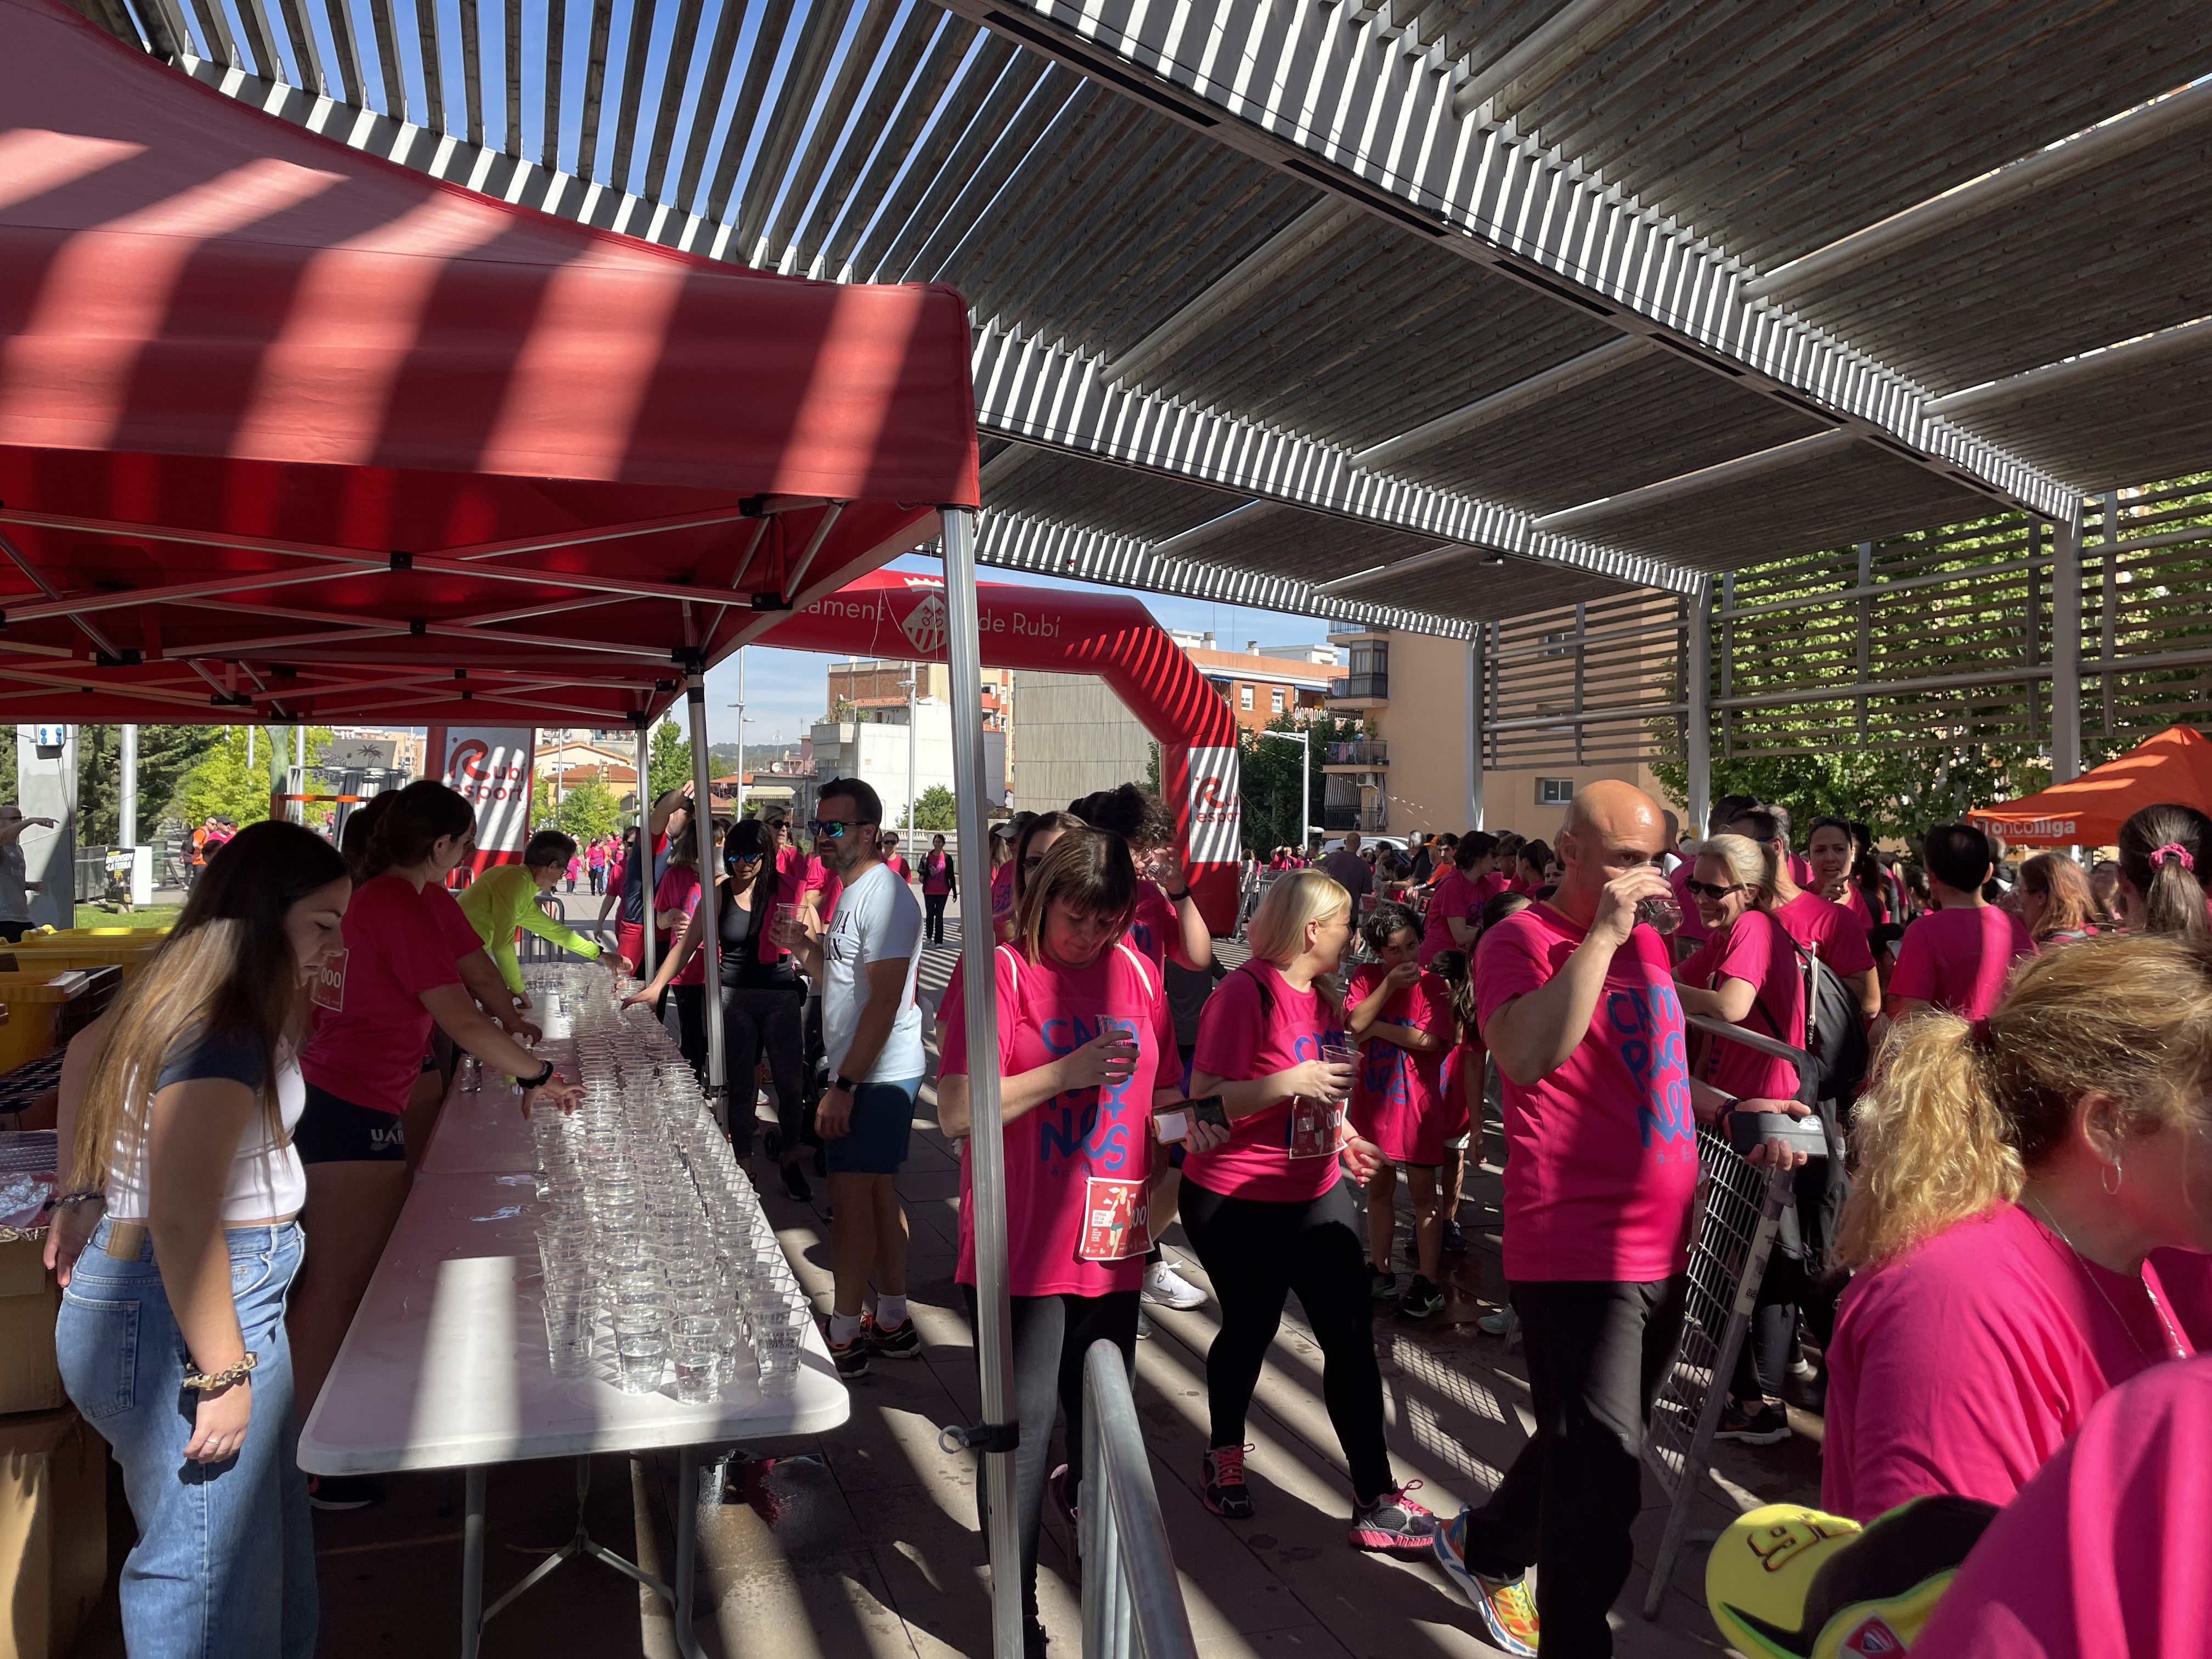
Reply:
x=1270, y=784
x=589, y=811
x=933, y=809
x=668, y=765
x=222, y=784
x=166, y=755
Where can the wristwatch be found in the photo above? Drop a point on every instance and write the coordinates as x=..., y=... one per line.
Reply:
x=540, y=1080
x=845, y=1083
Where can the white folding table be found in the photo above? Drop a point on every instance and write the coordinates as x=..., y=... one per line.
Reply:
x=445, y=1365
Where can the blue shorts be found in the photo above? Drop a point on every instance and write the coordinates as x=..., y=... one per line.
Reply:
x=882, y=1125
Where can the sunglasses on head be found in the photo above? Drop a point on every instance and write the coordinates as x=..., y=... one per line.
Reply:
x=1708, y=890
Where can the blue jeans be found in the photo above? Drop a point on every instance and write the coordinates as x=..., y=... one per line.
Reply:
x=224, y=1567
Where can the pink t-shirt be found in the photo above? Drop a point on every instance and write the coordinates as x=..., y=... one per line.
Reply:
x=1958, y=959
x=1799, y=870
x=2107, y=1553
x=454, y=927
x=1757, y=951
x=1002, y=892
x=897, y=868
x=1055, y=1151
x=679, y=891
x=830, y=886
x=1242, y=1035
x=1398, y=1099
x=371, y=1028
x=936, y=873
x=2185, y=1276
x=1154, y=925
x=1831, y=929
x=796, y=874
x=1452, y=897
x=1963, y=1364
x=1603, y=1154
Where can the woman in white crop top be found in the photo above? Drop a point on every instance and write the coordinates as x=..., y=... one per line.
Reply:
x=179, y=1243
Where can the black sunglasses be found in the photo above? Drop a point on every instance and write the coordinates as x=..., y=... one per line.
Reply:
x=1707, y=890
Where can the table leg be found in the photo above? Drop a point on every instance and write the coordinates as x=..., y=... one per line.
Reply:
x=472, y=1531
x=686, y=1548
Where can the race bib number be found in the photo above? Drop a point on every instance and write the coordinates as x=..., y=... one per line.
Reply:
x=1314, y=1125
x=1115, y=1223
x=330, y=982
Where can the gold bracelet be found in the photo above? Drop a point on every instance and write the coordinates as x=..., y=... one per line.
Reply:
x=201, y=1383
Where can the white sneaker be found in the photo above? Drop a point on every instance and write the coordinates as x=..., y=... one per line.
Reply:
x=1169, y=1288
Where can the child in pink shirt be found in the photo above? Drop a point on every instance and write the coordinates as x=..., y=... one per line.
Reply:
x=1401, y=1016
x=1956, y=957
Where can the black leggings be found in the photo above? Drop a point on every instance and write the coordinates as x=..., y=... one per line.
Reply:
x=1052, y=1335
x=1257, y=1253
x=932, y=920
x=770, y=1019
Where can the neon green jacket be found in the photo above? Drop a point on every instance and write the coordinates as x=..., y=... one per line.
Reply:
x=504, y=898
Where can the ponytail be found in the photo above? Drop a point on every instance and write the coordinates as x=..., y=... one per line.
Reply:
x=2165, y=854
x=1934, y=1146
x=1959, y=1113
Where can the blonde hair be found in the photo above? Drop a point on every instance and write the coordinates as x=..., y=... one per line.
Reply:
x=2071, y=903
x=1277, y=932
x=1752, y=865
x=1960, y=1112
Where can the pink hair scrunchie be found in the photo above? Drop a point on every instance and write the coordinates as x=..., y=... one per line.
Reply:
x=2175, y=851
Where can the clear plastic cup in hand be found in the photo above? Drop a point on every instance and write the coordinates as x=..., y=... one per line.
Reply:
x=1661, y=915
x=641, y=1358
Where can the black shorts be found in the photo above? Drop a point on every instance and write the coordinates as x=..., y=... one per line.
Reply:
x=334, y=1131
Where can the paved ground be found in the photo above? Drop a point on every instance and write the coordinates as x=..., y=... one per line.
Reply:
x=866, y=1541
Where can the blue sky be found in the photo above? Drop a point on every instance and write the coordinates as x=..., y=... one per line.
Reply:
x=786, y=690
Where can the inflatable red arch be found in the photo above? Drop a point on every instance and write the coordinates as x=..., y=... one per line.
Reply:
x=901, y=614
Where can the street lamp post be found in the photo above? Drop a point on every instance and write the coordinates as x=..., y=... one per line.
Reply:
x=912, y=671
x=739, y=705
x=1303, y=738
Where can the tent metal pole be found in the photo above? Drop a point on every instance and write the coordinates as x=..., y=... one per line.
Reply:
x=643, y=856
x=986, y=1165
x=1475, y=716
x=2065, y=648
x=710, y=857
x=126, y=815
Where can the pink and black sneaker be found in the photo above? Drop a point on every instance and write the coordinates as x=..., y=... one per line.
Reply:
x=1221, y=1475
x=1394, y=1524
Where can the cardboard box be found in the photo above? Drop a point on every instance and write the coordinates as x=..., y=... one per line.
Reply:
x=29, y=1300
x=53, y=1532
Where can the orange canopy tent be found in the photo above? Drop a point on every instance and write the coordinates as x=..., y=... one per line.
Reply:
x=2176, y=765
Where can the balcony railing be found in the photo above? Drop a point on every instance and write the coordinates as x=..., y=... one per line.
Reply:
x=1338, y=819
x=1364, y=751
x=1354, y=686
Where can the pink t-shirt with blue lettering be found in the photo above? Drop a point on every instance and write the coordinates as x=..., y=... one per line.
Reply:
x=1398, y=1098
x=1055, y=1151
x=1245, y=1034
x=1963, y=1365
x=1958, y=959
x=1603, y=1153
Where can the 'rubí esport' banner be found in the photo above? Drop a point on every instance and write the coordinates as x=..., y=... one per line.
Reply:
x=489, y=767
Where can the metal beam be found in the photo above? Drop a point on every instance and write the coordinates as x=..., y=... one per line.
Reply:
x=2139, y=128
x=1314, y=228
x=2088, y=366
x=1743, y=467
x=1539, y=43
x=1251, y=77
x=1512, y=400
x=1241, y=518
x=1698, y=719
x=1413, y=565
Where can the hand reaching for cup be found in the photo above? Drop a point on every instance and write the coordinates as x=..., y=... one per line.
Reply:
x=1107, y=1061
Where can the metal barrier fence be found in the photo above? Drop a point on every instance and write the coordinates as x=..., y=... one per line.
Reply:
x=1132, y=1600
x=1737, y=1214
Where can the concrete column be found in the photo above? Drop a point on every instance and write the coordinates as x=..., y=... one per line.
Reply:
x=1476, y=685
x=1698, y=730
x=2065, y=648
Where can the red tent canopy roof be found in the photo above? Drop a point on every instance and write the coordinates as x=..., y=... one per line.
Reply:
x=287, y=426
x=2176, y=765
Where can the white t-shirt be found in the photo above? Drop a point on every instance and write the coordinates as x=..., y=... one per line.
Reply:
x=877, y=920
x=266, y=1177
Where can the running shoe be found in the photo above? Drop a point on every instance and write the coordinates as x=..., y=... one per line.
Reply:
x=899, y=1341
x=1394, y=1524
x=1144, y=1324
x=1496, y=1324
x=1507, y=1609
x=851, y=1358
x=1221, y=1475
x=1382, y=1286
x=1420, y=1300
x=1166, y=1288
x=341, y=1492
x=1454, y=1240
x=1768, y=1426
x=795, y=1185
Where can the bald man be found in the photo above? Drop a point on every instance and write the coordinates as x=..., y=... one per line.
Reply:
x=1576, y=1002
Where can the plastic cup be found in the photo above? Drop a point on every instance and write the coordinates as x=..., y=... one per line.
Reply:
x=640, y=1357
x=695, y=1345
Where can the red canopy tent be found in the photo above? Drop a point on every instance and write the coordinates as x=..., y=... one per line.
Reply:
x=289, y=432
x=2176, y=765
